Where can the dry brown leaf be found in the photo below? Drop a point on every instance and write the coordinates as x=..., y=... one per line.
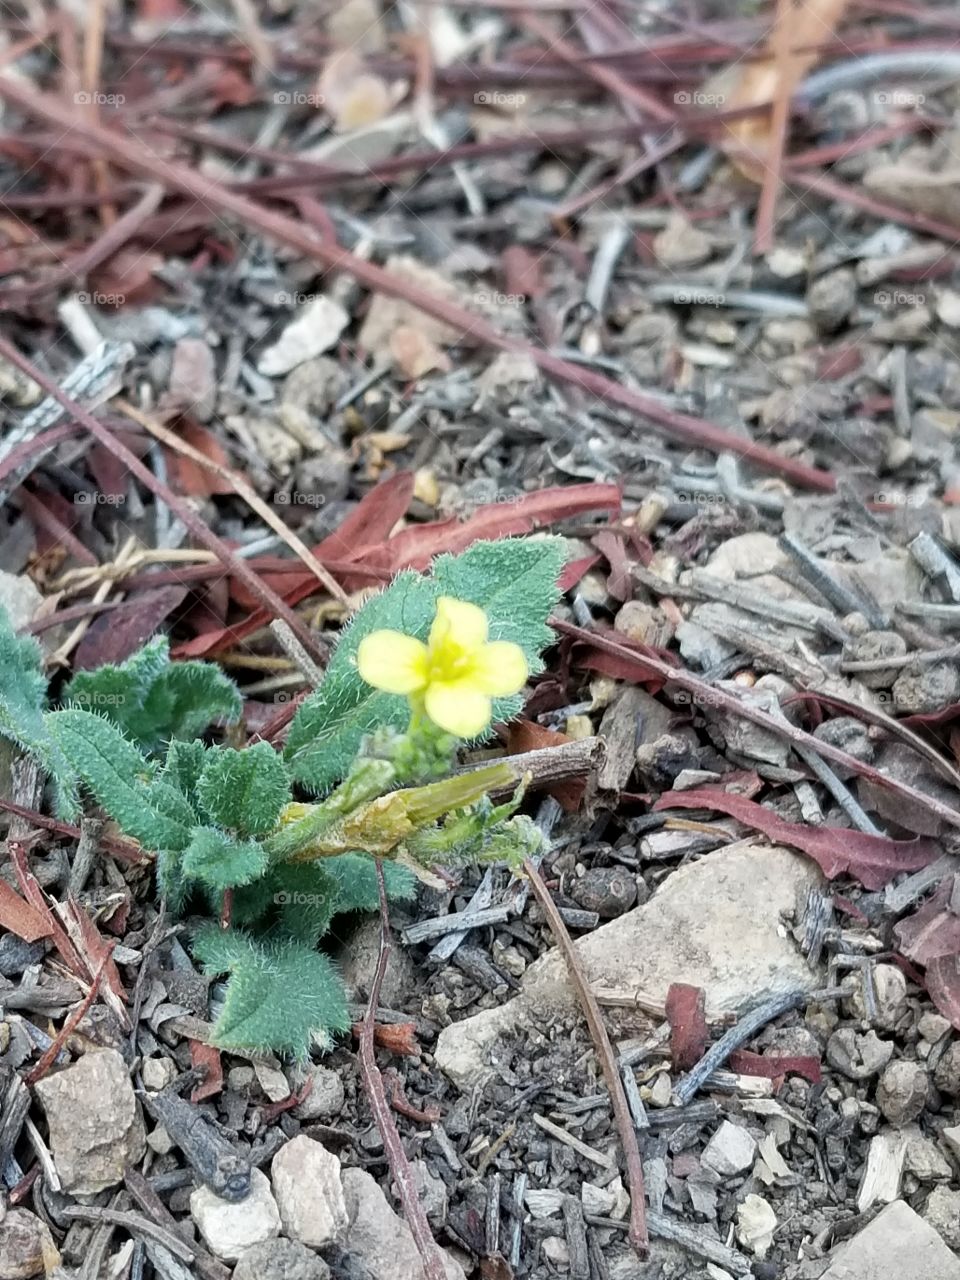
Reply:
x=801, y=26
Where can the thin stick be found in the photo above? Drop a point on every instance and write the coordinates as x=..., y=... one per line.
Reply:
x=265, y=594
x=373, y=1084
x=242, y=489
x=40, y=1069
x=621, y=1109
x=777, y=137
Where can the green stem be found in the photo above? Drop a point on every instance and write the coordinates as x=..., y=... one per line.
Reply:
x=367, y=780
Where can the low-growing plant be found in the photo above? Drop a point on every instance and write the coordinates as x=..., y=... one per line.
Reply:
x=429, y=662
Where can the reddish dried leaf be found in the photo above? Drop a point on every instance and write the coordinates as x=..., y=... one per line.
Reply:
x=773, y=1065
x=34, y=895
x=873, y=860
x=371, y=521
x=399, y=1037
x=527, y=735
x=127, y=278
x=189, y=477
x=111, y=476
x=522, y=273
x=496, y=1268
x=574, y=571
x=114, y=636
x=943, y=986
x=205, y=1055
x=933, y=930
x=95, y=951
x=932, y=719
x=619, y=581
x=19, y=917
x=686, y=1014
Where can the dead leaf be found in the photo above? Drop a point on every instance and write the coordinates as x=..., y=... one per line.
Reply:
x=353, y=94
x=933, y=930
x=205, y=1055
x=770, y=1066
x=114, y=636
x=19, y=917
x=873, y=860
x=801, y=28
x=686, y=1013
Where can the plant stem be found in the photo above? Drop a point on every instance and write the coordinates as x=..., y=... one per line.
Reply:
x=373, y=1084
x=639, y=1237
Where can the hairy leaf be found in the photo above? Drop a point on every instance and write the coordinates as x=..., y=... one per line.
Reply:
x=23, y=694
x=356, y=877
x=302, y=900
x=244, y=790
x=183, y=766
x=153, y=699
x=514, y=581
x=281, y=993
x=122, y=779
x=220, y=861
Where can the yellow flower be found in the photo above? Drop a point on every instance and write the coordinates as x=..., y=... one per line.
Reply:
x=454, y=675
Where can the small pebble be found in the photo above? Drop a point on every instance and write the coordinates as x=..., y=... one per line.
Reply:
x=903, y=1091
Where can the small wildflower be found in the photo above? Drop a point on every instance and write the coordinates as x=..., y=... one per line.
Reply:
x=454, y=676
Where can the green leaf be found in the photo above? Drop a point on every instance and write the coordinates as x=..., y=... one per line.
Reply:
x=122, y=779
x=220, y=861
x=280, y=994
x=23, y=695
x=153, y=699
x=183, y=766
x=514, y=580
x=356, y=877
x=297, y=900
x=244, y=790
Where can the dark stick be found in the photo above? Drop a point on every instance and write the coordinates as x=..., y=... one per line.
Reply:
x=373, y=1084
x=618, y=1098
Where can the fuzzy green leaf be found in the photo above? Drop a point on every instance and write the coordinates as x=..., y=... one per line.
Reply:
x=183, y=766
x=220, y=861
x=293, y=899
x=153, y=699
x=514, y=580
x=122, y=779
x=356, y=877
x=280, y=993
x=244, y=790
x=23, y=695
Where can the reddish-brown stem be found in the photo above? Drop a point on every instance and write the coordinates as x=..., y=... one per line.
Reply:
x=639, y=1236
x=373, y=1084
x=49, y=1057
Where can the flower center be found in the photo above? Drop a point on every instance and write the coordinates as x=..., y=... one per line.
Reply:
x=449, y=661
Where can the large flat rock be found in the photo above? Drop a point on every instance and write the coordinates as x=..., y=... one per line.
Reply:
x=714, y=924
x=897, y=1245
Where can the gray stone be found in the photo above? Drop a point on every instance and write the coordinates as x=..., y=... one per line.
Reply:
x=731, y=1150
x=857, y=1056
x=924, y=1159
x=890, y=997
x=157, y=1073
x=306, y=1185
x=831, y=298
x=26, y=1246
x=19, y=597
x=870, y=646
x=681, y=935
x=921, y=687
x=899, y=761
x=896, y=1244
x=381, y=1239
x=358, y=962
x=94, y=1122
x=610, y=891
x=903, y=1091
x=946, y=1075
x=325, y=1098
x=942, y=1212
x=280, y=1260
x=229, y=1229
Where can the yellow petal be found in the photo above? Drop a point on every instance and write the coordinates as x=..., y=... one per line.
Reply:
x=499, y=668
x=460, y=623
x=458, y=706
x=391, y=661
